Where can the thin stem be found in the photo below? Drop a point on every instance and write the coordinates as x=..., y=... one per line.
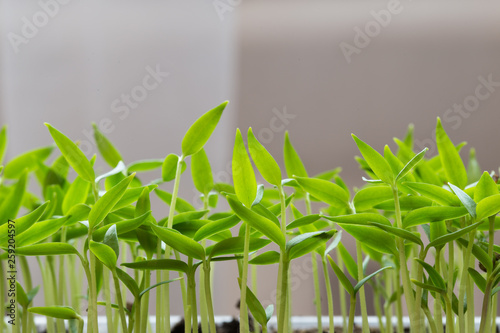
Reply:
x=438, y=312
x=493, y=315
x=343, y=304
x=192, y=289
x=253, y=273
x=410, y=301
x=317, y=293
x=418, y=292
x=138, y=313
x=144, y=311
x=399, y=305
x=362, y=297
x=119, y=300
x=282, y=320
x=388, y=306
x=378, y=311
x=244, y=325
x=432, y=324
x=463, y=286
x=107, y=296
x=450, y=327
x=328, y=295
x=92, y=306
x=208, y=297
x=352, y=310
x=451, y=270
x=2, y=293
x=159, y=294
x=25, y=320
x=203, y=299
x=80, y=324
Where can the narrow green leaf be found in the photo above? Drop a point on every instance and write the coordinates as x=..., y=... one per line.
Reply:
x=39, y=231
x=406, y=203
x=488, y=207
x=216, y=227
x=259, y=196
x=325, y=191
x=75, y=157
x=181, y=204
x=434, y=275
x=159, y=264
x=450, y=158
x=432, y=214
x=120, y=168
x=254, y=306
x=29, y=160
x=106, y=148
x=348, y=261
x=77, y=193
x=342, y=278
x=257, y=221
x=302, y=221
x=22, y=298
x=46, y=249
x=199, y=133
x=11, y=205
x=366, y=279
x=128, y=281
x=157, y=285
x=202, y=172
x=111, y=240
x=104, y=205
x=307, y=242
x=405, y=234
x=376, y=161
x=370, y=196
x=144, y=165
x=235, y=245
x=180, y=242
x=78, y=213
x=334, y=243
x=245, y=184
x=263, y=160
x=60, y=312
x=169, y=167
x=372, y=237
x=293, y=163
x=485, y=187
x=411, y=164
x=445, y=239
x=360, y=218
x=266, y=258
x=23, y=223
x=465, y=199
x=104, y=253
x=435, y=193
x=479, y=280
x=427, y=286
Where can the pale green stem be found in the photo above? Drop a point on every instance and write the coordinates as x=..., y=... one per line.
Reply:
x=80, y=324
x=159, y=294
x=451, y=270
x=244, y=325
x=55, y=290
x=328, y=295
x=192, y=287
x=107, y=296
x=408, y=292
x=352, y=310
x=378, y=311
x=432, y=324
x=362, y=298
x=493, y=314
x=165, y=315
x=28, y=285
x=92, y=306
x=463, y=286
x=418, y=292
x=184, y=289
x=253, y=272
x=119, y=300
x=343, y=303
x=47, y=293
x=138, y=313
x=317, y=292
x=450, y=327
x=208, y=297
x=145, y=303
x=399, y=305
x=203, y=300
x=24, y=320
x=388, y=308
x=438, y=312
x=282, y=320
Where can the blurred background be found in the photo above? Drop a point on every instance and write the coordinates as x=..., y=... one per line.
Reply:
x=144, y=71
